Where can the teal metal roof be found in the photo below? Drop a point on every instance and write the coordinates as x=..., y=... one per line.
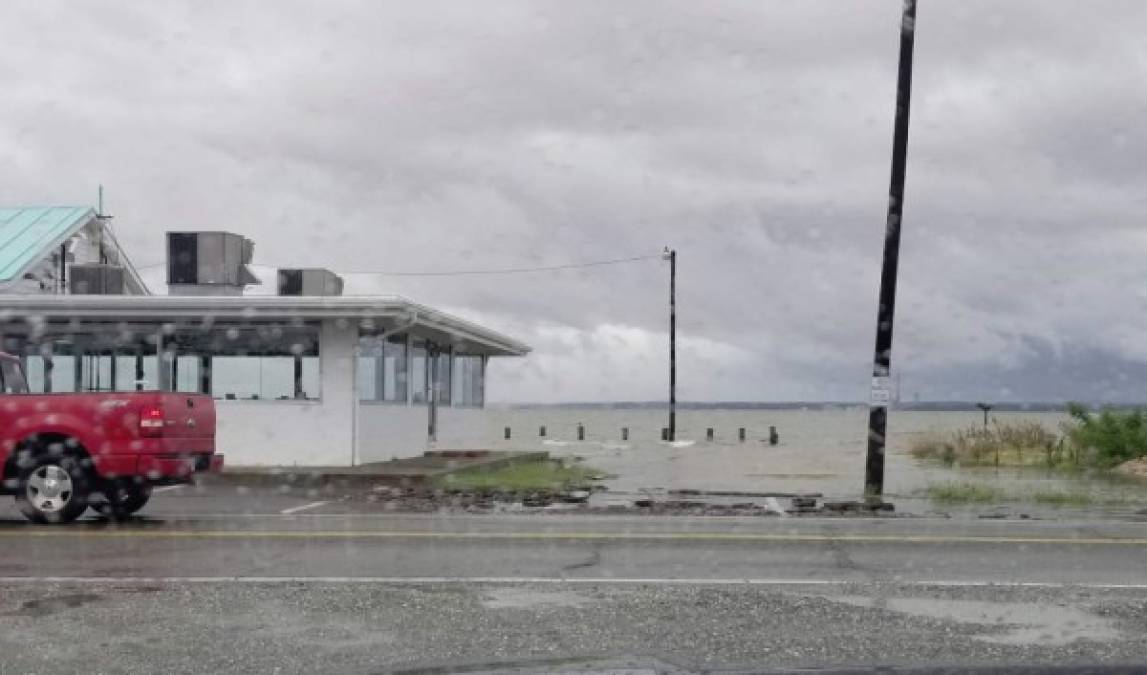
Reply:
x=27, y=233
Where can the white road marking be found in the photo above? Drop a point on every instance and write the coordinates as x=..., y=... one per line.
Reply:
x=612, y=581
x=167, y=488
x=304, y=507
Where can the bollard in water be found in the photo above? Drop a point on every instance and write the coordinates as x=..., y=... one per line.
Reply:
x=507, y=433
x=542, y=431
x=664, y=433
x=709, y=434
x=580, y=432
x=774, y=437
x=625, y=433
x=741, y=434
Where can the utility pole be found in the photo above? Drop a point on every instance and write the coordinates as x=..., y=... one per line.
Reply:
x=671, y=256
x=882, y=359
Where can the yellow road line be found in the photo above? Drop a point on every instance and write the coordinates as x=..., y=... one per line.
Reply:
x=716, y=537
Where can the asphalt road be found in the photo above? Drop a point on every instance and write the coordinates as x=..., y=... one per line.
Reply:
x=224, y=580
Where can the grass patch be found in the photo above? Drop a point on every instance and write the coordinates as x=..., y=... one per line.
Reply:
x=963, y=493
x=974, y=493
x=549, y=474
x=1062, y=498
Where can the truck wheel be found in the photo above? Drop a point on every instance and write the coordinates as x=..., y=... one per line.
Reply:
x=54, y=489
x=122, y=499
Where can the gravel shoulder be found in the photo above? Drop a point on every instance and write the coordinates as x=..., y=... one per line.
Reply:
x=374, y=627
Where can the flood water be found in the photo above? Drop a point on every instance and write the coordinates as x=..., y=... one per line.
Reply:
x=819, y=451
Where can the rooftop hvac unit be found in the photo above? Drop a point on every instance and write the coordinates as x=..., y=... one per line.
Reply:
x=309, y=282
x=96, y=279
x=208, y=263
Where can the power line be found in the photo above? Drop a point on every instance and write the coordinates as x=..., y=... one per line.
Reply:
x=508, y=270
x=461, y=273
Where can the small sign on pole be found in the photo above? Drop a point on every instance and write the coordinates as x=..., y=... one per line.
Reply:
x=881, y=391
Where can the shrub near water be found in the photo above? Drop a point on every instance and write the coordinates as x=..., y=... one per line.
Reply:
x=1108, y=438
x=1019, y=443
x=1100, y=440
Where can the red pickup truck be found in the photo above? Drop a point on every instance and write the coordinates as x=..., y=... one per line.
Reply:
x=62, y=453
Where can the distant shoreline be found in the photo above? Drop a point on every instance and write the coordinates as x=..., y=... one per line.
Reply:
x=918, y=406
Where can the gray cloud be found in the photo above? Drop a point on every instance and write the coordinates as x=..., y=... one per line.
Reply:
x=753, y=137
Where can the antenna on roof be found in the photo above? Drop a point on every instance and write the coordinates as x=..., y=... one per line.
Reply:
x=105, y=220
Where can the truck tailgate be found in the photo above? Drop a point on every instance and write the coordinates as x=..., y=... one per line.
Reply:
x=187, y=415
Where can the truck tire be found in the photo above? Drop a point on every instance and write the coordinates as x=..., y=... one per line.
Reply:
x=122, y=500
x=53, y=489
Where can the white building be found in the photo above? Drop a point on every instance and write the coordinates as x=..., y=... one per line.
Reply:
x=308, y=380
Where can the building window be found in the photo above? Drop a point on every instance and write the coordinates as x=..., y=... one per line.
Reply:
x=128, y=379
x=261, y=362
x=468, y=382
x=96, y=372
x=311, y=378
x=419, y=373
x=442, y=374
x=366, y=368
x=89, y=362
x=381, y=367
x=63, y=373
x=430, y=372
x=188, y=373
x=253, y=377
x=252, y=361
x=34, y=369
x=102, y=361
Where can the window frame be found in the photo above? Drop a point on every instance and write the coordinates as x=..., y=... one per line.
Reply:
x=402, y=388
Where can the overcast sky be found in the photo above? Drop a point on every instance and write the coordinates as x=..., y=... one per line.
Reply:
x=754, y=137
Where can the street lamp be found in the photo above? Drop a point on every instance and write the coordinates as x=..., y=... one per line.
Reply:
x=671, y=255
x=985, y=407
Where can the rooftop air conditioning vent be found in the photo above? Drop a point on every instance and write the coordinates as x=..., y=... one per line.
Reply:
x=208, y=263
x=309, y=282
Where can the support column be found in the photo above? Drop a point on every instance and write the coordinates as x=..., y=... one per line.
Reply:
x=164, y=360
x=139, y=367
x=205, y=374
x=380, y=372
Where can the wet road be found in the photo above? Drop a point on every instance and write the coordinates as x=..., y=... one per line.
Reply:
x=224, y=580
x=223, y=532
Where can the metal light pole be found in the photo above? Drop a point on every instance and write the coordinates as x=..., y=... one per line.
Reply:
x=882, y=359
x=671, y=256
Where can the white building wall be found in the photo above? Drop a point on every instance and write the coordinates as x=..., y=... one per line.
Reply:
x=391, y=431
x=338, y=430
x=464, y=429
x=298, y=433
